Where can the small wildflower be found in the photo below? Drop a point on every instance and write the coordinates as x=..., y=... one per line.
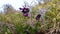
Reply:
x=25, y=14
x=38, y=16
x=24, y=10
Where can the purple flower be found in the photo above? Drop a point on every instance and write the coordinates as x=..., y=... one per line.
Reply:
x=38, y=16
x=25, y=14
x=24, y=10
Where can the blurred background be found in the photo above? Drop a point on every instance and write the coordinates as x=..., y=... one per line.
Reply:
x=29, y=16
